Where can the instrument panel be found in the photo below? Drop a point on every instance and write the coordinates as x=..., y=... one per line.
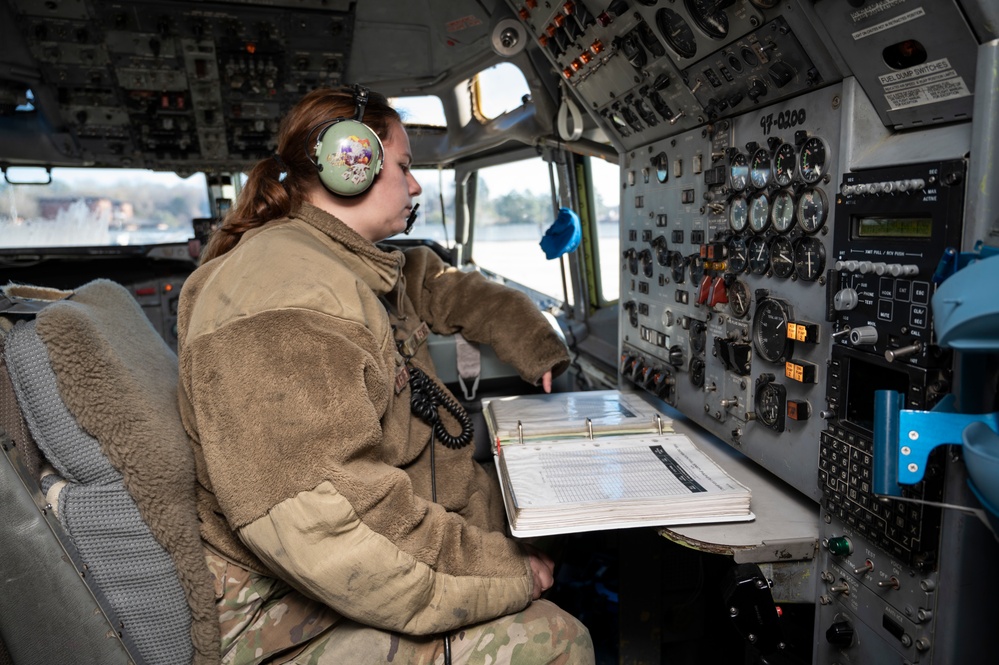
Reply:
x=794, y=177
x=182, y=86
x=724, y=264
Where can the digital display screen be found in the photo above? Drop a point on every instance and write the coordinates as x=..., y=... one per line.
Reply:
x=863, y=379
x=892, y=227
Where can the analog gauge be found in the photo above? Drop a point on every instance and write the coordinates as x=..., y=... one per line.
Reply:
x=677, y=33
x=738, y=214
x=646, y=258
x=737, y=254
x=696, y=264
x=784, y=164
x=738, y=172
x=812, y=210
x=739, y=298
x=782, y=213
x=678, y=266
x=809, y=258
x=759, y=255
x=812, y=160
x=759, y=213
x=759, y=168
x=709, y=17
x=771, y=404
x=782, y=257
x=770, y=330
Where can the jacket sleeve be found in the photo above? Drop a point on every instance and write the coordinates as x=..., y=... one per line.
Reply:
x=452, y=301
x=288, y=406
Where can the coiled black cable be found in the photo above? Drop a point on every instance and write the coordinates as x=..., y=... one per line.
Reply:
x=426, y=400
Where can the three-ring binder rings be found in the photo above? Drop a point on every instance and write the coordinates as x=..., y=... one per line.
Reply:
x=586, y=461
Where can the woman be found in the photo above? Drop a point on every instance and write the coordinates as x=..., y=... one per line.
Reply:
x=299, y=338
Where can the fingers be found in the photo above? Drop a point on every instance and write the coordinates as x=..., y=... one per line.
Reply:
x=543, y=574
x=546, y=381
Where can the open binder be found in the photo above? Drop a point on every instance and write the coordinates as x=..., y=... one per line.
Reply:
x=587, y=461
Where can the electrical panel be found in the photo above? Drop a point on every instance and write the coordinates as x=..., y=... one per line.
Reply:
x=182, y=85
x=793, y=177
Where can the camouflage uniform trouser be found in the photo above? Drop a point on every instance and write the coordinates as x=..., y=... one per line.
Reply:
x=263, y=620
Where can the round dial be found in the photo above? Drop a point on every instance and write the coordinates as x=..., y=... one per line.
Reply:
x=737, y=254
x=708, y=17
x=739, y=298
x=696, y=264
x=784, y=164
x=770, y=330
x=738, y=214
x=809, y=258
x=812, y=210
x=771, y=401
x=738, y=172
x=759, y=213
x=677, y=33
x=759, y=168
x=782, y=213
x=759, y=255
x=812, y=160
x=677, y=266
x=782, y=257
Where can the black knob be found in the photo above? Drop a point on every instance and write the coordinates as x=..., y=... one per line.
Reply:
x=756, y=90
x=676, y=355
x=840, y=634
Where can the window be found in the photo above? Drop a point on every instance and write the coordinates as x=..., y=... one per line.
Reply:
x=435, y=222
x=500, y=89
x=426, y=110
x=607, y=201
x=98, y=207
x=513, y=209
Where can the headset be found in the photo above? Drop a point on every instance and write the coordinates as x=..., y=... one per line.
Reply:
x=348, y=154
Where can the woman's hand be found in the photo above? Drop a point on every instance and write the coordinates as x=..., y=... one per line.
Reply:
x=546, y=381
x=543, y=569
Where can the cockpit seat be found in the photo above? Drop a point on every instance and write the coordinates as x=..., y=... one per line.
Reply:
x=109, y=500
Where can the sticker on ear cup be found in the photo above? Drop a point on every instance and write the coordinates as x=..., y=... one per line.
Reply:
x=349, y=155
x=353, y=154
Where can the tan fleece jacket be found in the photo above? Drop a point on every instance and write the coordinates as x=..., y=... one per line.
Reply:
x=311, y=467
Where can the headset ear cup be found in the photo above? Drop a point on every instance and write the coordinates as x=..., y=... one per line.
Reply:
x=349, y=155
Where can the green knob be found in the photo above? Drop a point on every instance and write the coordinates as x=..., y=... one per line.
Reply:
x=840, y=546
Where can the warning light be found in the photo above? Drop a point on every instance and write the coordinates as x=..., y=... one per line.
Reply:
x=251, y=48
x=168, y=288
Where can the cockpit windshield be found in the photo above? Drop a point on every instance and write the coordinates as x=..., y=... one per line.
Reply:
x=79, y=207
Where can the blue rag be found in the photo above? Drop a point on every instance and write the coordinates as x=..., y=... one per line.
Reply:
x=563, y=235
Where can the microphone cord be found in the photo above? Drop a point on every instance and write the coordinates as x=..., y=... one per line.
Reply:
x=426, y=400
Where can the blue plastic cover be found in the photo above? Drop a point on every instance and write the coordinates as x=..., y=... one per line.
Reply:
x=563, y=235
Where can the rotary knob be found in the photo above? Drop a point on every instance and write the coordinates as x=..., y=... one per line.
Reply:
x=840, y=634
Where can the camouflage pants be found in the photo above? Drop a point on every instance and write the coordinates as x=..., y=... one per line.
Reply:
x=264, y=621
